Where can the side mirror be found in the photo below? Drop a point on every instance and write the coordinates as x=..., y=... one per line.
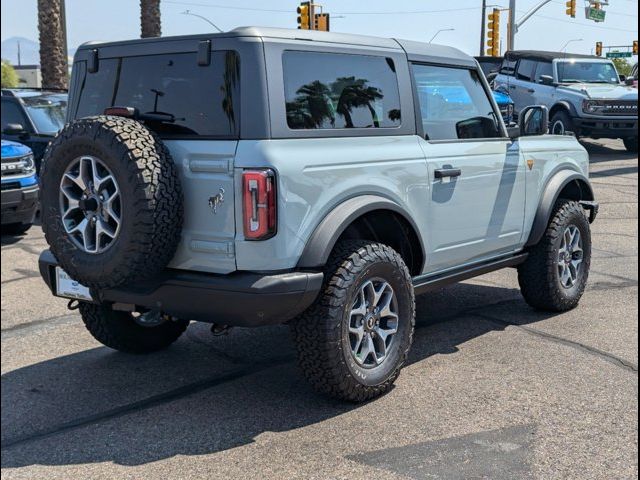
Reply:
x=14, y=129
x=533, y=121
x=546, y=80
x=630, y=81
x=623, y=78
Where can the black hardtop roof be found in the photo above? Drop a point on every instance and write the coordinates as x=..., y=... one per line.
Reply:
x=545, y=56
x=415, y=50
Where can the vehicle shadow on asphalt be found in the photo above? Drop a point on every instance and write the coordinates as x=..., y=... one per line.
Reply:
x=205, y=394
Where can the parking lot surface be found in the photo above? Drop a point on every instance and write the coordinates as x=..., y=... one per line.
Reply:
x=493, y=389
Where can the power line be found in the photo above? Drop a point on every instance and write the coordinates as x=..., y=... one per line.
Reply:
x=395, y=12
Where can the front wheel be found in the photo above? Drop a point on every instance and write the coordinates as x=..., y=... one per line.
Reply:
x=561, y=124
x=354, y=340
x=554, y=276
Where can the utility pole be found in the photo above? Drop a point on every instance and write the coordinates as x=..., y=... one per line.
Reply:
x=482, y=27
x=512, y=28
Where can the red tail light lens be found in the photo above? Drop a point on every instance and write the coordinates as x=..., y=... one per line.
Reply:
x=259, y=204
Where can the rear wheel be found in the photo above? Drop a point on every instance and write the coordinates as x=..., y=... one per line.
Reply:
x=354, y=340
x=16, y=228
x=631, y=144
x=555, y=274
x=146, y=333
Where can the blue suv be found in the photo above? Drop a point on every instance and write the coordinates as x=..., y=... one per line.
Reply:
x=19, y=188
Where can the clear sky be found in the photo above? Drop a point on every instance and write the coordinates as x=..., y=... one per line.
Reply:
x=410, y=19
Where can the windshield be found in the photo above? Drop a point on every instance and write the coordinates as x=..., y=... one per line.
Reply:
x=47, y=112
x=587, y=72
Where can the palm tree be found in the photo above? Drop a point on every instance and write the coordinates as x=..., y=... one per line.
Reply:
x=150, y=18
x=54, y=64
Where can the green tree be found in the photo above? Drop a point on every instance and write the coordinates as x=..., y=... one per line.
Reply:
x=622, y=65
x=9, y=75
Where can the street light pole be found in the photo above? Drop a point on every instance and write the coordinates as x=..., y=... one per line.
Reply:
x=188, y=12
x=441, y=30
x=564, y=47
x=514, y=26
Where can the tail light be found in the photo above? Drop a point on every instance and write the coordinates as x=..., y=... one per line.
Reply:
x=259, y=204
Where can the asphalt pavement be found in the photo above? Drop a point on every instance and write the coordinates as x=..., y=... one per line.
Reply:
x=493, y=389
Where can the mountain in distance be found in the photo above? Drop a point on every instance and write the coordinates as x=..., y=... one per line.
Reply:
x=29, y=51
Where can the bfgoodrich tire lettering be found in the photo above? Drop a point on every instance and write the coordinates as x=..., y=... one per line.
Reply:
x=321, y=333
x=150, y=195
x=540, y=276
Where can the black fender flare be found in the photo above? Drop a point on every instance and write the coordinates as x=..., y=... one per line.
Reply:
x=563, y=104
x=551, y=194
x=324, y=237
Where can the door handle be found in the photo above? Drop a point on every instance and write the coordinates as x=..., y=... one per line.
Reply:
x=447, y=172
x=512, y=87
x=531, y=90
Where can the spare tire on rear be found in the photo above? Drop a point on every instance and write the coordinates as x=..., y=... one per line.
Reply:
x=111, y=201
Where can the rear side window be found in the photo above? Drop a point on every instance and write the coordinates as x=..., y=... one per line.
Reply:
x=196, y=100
x=526, y=69
x=454, y=104
x=508, y=67
x=335, y=91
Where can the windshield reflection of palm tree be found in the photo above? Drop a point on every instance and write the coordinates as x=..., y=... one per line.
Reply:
x=355, y=93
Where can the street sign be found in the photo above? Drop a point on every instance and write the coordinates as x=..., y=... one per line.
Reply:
x=619, y=54
x=595, y=14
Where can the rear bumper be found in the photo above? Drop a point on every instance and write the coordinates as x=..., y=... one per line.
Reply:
x=606, y=127
x=19, y=205
x=238, y=299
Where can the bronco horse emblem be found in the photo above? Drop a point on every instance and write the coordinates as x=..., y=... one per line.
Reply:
x=216, y=200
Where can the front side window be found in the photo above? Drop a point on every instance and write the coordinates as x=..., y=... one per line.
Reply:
x=336, y=91
x=12, y=115
x=544, y=68
x=587, y=72
x=185, y=98
x=454, y=104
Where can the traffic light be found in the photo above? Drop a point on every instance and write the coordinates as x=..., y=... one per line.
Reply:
x=304, y=19
x=322, y=22
x=635, y=47
x=571, y=8
x=493, y=35
x=599, y=49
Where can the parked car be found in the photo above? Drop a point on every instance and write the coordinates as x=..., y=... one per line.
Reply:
x=19, y=188
x=490, y=67
x=633, y=78
x=255, y=177
x=32, y=117
x=583, y=93
x=506, y=106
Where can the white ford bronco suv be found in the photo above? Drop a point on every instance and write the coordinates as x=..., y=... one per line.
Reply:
x=265, y=176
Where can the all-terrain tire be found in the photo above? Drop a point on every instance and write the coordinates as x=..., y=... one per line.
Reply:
x=119, y=330
x=539, y=275
x=631, y=144
x=561, y=123
x=151, y=197
x=321, y=333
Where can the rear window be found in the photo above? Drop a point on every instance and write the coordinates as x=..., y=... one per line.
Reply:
x=336, y=91
x=197, y=100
